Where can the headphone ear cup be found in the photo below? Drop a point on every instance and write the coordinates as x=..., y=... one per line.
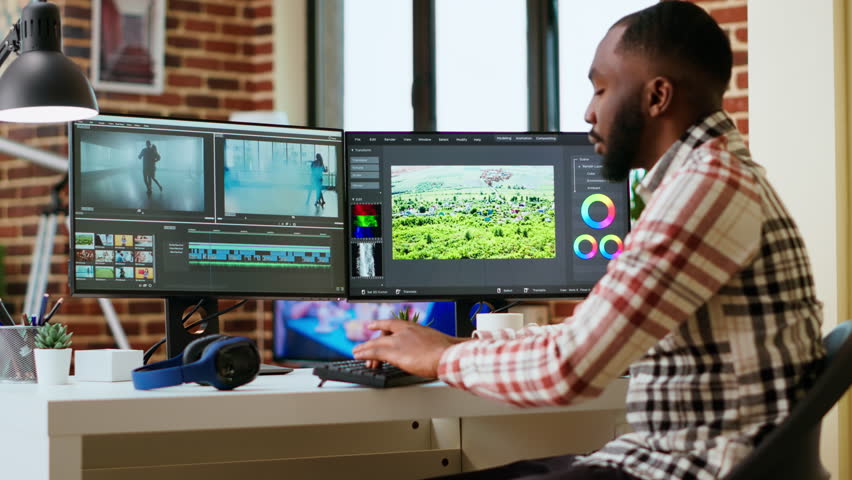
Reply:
x=193, y=351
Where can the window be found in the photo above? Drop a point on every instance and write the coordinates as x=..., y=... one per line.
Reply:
x=481, y=65
x=377, y=65
x=582, y=25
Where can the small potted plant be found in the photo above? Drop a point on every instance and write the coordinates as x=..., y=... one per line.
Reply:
x=53, y=354
x=405, y=314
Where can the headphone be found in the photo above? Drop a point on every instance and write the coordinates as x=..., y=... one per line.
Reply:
x=218, y=360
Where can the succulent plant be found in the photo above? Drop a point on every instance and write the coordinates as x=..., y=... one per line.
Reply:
x=53, y=335
x=404, y=314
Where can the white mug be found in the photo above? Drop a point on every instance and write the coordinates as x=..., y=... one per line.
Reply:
x=499, y=321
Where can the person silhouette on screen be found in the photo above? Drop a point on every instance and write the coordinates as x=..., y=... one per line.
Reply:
x=148, y=155
x=156, y=158
x=711, y=303
x=317, y=170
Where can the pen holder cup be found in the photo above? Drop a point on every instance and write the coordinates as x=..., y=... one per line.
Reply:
x=17, y=354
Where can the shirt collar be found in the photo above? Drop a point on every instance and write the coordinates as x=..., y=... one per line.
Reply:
x=712, y=126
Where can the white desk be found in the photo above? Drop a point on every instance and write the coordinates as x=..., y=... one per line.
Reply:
x=278, y=427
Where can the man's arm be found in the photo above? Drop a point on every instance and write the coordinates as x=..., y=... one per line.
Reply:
x=701, y=227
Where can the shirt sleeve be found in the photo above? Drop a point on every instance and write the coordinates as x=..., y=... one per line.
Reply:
x=702, y=225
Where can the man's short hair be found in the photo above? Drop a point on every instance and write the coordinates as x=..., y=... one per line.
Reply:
x=683, y=36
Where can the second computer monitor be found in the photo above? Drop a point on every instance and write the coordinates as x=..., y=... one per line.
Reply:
x=480, y=215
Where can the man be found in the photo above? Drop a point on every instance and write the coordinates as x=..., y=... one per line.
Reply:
x=711, y=304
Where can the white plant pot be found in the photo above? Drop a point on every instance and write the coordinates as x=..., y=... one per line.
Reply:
x=52, y=365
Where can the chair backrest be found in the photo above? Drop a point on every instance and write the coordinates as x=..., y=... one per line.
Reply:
x=791, y=450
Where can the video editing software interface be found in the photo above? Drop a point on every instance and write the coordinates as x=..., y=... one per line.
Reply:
x=162, y=207
x=464, y=215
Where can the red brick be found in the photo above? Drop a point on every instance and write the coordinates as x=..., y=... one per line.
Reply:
x=247, y=67
x=12, y=250
x=223, y=83
x=183, y=42
x=261, y=49
x=742, y=125
x=16, y=288
x=239, y=104
x=184, y=5
x=741, y=34
x=76, y=12
x=241, y=326
x=201, y=62
x=22, y=211
x=740, y=58
x=170, y=99
x=233, y=29
x=258, y=12
x=264, y=86
x=268, y=104
x=22, y=134
x=8, y=192
x=172, y=23
x=742, y=80
x=735, y=104
x=200, y=26
x=219, y=46
x=35, y=190
x=123, y=97
x=9, y=231
x=145, y=306
x=265, y=29
x=223, y=10
x=730, y=15
x=264, y=67
x=177, y=80
x=202, y=101
x=87, y=328
x=29, y=230
x=157, y=328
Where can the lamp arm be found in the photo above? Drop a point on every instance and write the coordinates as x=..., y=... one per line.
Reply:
x=12, y=43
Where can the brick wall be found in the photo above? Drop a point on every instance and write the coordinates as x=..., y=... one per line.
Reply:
x=731, y=15
x=219, y=59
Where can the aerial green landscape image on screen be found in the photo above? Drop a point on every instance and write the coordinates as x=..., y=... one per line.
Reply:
x=451, y=212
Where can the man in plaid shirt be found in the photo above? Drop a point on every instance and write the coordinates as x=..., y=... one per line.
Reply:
x=711, y=304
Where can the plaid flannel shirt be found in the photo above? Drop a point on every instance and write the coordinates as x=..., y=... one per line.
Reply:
x=711, y=305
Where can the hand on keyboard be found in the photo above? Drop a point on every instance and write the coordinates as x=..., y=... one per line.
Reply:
x=355, y=371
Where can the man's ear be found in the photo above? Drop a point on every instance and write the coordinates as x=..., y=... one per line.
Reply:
x=659, y=95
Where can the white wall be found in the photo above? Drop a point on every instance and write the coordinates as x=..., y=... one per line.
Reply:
x=793, y=114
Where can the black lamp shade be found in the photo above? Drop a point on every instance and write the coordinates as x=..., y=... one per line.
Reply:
x=44, y=86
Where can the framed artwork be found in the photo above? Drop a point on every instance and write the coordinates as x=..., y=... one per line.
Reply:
x=128, y=45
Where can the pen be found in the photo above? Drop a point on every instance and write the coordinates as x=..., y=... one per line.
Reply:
x=42, y=309
x=6, y=319
x=52, y=311
x=34, y=321
x=24, y=319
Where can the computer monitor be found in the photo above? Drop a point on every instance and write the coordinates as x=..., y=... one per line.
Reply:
x=308, y=332
x=186, y=209
x=470, y=216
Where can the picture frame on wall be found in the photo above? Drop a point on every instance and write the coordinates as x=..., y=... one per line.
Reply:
x=128, y=39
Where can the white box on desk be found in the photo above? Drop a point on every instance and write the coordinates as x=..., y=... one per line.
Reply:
x=105, y=365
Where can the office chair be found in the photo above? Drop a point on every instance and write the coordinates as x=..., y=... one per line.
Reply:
x=791, y=450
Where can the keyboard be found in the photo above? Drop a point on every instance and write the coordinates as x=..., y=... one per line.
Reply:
x=354, y=371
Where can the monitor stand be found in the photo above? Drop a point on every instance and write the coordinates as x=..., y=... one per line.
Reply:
x=465, y=308
x=177, y=337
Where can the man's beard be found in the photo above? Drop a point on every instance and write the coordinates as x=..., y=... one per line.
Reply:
x=622, y=149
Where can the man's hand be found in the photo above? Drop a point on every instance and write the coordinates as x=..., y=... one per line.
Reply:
x=411, y=347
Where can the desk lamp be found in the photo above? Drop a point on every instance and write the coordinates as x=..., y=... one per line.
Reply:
x=43, y=85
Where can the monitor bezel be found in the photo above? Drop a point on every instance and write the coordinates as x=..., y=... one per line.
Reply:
x=485, y=297
x=230, y=294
